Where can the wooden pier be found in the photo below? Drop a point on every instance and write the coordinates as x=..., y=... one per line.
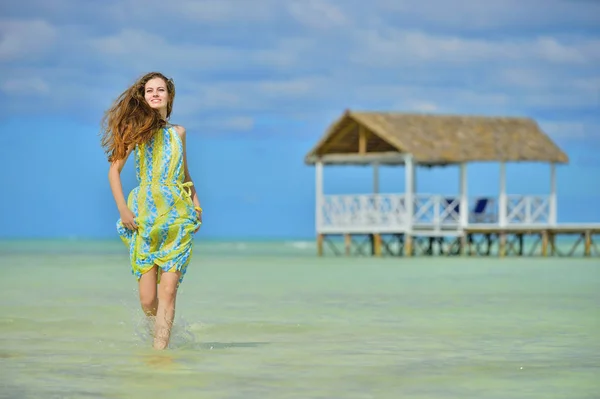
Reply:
x=476, y=241
x=426, y=224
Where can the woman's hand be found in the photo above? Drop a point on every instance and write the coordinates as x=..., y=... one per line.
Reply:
x=128, y=218
x=199, y=214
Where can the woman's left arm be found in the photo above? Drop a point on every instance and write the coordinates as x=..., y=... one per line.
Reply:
x=188, y=178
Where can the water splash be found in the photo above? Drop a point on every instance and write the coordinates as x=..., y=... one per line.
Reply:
x=143, y=329
x=181, y=332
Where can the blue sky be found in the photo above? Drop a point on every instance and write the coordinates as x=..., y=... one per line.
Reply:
x=257, y=84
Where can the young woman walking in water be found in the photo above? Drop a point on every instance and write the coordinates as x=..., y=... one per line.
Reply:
x=161, y=215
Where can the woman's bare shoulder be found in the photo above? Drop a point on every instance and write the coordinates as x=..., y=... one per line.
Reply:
x=179, y=129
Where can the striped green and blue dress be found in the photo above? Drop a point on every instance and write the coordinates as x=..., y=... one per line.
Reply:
x=163, y=208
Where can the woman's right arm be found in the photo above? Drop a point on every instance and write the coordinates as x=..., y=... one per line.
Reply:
x=114, y=178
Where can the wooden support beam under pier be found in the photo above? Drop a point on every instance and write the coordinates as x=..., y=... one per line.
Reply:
x=521, y=241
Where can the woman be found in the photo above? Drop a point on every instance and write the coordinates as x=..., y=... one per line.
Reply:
x=163, y=212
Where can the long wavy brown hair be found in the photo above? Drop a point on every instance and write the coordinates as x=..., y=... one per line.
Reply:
x=130, y=120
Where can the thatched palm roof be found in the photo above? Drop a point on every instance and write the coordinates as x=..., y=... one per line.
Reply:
x=365, y=137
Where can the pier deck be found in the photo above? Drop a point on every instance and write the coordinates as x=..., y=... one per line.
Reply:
x=568, y=240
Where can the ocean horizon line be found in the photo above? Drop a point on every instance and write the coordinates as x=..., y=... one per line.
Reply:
x=117, y=239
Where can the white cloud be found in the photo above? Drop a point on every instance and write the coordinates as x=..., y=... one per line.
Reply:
x=571, y=130
x=218, y=10
x=487, y=15
x=232, y=61
x=285, y=54
x=391, y=47
x=128, y=42
x=143, y=50
x=591, y=84
x=458, y=15
x=318, y=14
x=420, y=106
x=291, y=87
x=23, y=40
x=526, y=78
x=25, y=87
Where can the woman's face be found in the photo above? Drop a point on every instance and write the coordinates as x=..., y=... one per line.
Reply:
x=156, y=95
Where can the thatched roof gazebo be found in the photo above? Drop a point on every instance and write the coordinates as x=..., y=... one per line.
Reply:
x=364, y=137
x=389, y=138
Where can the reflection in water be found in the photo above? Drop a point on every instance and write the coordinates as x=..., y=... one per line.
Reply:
x=170, y=359
x=160, y=359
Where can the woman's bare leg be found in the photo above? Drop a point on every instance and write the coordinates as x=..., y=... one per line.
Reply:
x=167, y=293
x=148, y=297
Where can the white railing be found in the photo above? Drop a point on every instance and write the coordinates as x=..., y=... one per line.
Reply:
x=363, y=213
x=386, y=213
x=440, y=211
x=528, y=209
x=436, y=210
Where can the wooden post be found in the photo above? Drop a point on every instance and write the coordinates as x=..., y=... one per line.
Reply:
x=552, y=242
x=319, y=205
x=377, y=244
x=320, y=244
x=407, y=245
x=588, y=243
x=347, y=243
x=470, y=243
x=545, y=243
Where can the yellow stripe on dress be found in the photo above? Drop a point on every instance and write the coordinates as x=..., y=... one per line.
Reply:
x=157, y=191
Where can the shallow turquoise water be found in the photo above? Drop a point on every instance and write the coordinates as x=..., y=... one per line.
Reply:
x=270, y=320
